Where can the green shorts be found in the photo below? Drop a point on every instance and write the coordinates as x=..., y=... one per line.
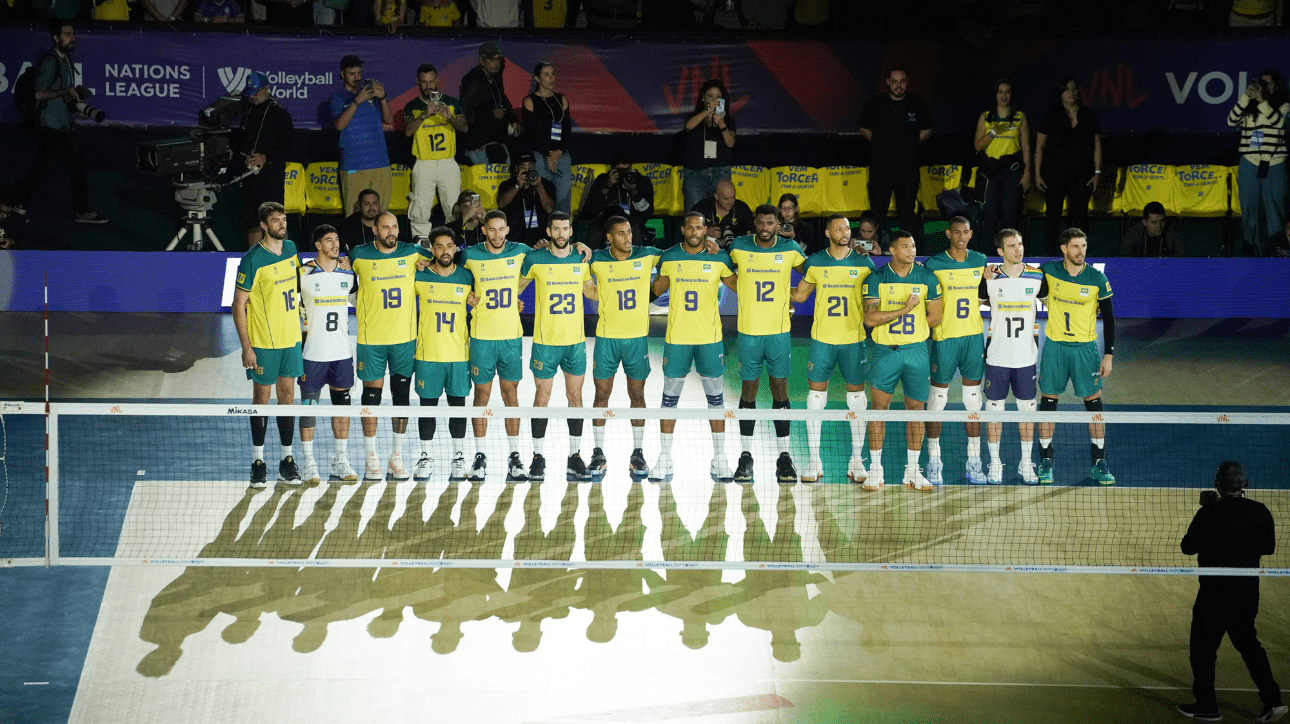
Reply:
x=966, y=355
x=708, y=359
x=503, y=357
x=906, y=364
x=433, y=378
x=1074, y=361
x=823, y=357
x=373, y=358
x=775, y=351
x=632, y=353
x=270, y=364
x=572, y=358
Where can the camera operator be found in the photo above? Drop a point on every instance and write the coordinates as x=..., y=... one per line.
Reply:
x=489, y=115
x=264, y=141
x=1229, y=531
x=620, y=191
x=59, y=98
x=793, y=227
x=527, y=199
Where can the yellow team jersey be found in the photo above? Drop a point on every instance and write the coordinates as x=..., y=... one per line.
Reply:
x=623, y=287
x=765, y=284
x=558, y=296
x=1072, y=302
x=272, y=310
x=439, y=17
x=441, y=302
x=694, y=297
x=497, y=284
x=839, y=286
x=435, y=139
x=960, y=281
x=892, y=290
x=386, y=304
x=549, y=13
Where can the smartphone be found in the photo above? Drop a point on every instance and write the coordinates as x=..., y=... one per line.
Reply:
x=721, y=107
x=474, y=199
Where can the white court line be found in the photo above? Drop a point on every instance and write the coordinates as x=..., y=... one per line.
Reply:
x=990, y=683
x=35, y=683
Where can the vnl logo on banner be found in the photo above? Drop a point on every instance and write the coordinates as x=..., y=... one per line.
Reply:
x=284, y=84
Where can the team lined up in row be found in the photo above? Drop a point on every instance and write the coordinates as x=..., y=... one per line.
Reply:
x=412, y=307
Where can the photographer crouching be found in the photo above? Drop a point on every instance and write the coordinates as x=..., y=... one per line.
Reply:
x=620, y=191
x=527, y=201
x=263, y=141
x=1229, y=531
x=58, y=99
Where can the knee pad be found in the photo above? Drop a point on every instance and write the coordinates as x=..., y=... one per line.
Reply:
x=400, y=386
x=371, y=396
x=997, y=405
x=1048, y=404
x=309, y=398
x=816, y=399
x=972, y=397
x=672, y=387
x=1026, y=405
x=1093, y=405
x=856, y=401
x=939, y=396
x=715, y=390
x=340, y=397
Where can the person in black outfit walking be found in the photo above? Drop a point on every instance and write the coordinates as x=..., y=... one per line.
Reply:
x=895, y=124
x=1229, y=531
x=1068, y=161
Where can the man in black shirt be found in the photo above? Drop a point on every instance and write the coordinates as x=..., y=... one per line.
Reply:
x=1153, y=236
x=489, y=117
x=895, y=124
x=360, y=227
x=620, y=191
x=726, y=215
x=264, y=141
x=527, y=200
x=1229, y=531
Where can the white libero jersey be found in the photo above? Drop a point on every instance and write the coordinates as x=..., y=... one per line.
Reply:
x=326, y=297
x=1012, y=318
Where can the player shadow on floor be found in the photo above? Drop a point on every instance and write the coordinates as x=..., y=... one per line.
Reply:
x=608, y=591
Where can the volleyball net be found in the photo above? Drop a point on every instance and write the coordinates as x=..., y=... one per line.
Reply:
x=162, y=484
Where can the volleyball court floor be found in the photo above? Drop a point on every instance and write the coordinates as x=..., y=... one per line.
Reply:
x=563, y=644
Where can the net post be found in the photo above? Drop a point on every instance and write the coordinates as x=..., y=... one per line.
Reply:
x=51, y=487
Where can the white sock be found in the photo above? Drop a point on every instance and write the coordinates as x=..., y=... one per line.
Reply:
x=665, y=440
x=459, y=446
x=815, y=400
x=342, y=446
x=875, y=459
x=539, y=446
x=995, y=455
x=1099, y=441
x=911, y=458
x=857, y=403
x=719, y=443
x=974, y=447
x=1045, y=442
x=638, y=437
x=598, y=436
x=397, y=447
x=514, y=442
x=307, y=448
x=286, y=451
x=369, y=444
x=257, y=452
x=575, y=444
x=1027, y=449
x=934, y=447
x=425, y=447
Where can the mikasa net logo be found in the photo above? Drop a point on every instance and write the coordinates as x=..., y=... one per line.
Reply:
x=285, y=85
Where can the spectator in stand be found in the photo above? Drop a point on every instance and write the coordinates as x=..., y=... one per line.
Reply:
x=222, y=12
x=433, y=120
x=164, y=11
x=1261, y=176
x=439, y=14
x=291, y=13
x=620, y=191
x=264, y=141
x=112, y=10
x=527, y=199
x=1002, y=164
x=791, y=226
x=547, y=128
x=895, y=123
x=727, y=216
x=488, y=112
x=469, y=222
x=765, y=14
x=358, y=111
x=1068, y=161
x=56, y=9
x=1279, y=243
x=360, y=227
x=709, y=140
x=869, y=236
x=608, y=14
x=389, y=14
x=496, y=13
x=1153, y=236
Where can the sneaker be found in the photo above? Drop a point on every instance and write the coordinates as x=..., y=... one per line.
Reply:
x=398, y=471
x=935, y=471
x=259, y=474
x=515, y=469
x=662, y=470
x=785, y=470
x=915, y=479
x=874, y=481
x=341, y=469
x=288, y=471
x=537, y=469
x=576, y=469
x=422, y=469
x=975, y=473
x=91, y=217
x=1026, y=469
x=479, y=467
x=856, y=471
x=598, y=464
x=639, y=468
x=1273, y=712
x=719, y=469
x=995, y=476
x=1045, y=475
x=814, y=470
x=1193, y=711
x=373, y=469
x=1101, y=474
x=744, y=470
x=457, y=472
x=309, y=474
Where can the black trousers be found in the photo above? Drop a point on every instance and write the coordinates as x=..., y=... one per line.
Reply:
x=886, y=180
x=51, y=148
x=1207, y=629
x=1069, y=185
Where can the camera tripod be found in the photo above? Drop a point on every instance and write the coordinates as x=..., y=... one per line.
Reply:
x=197, y=199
